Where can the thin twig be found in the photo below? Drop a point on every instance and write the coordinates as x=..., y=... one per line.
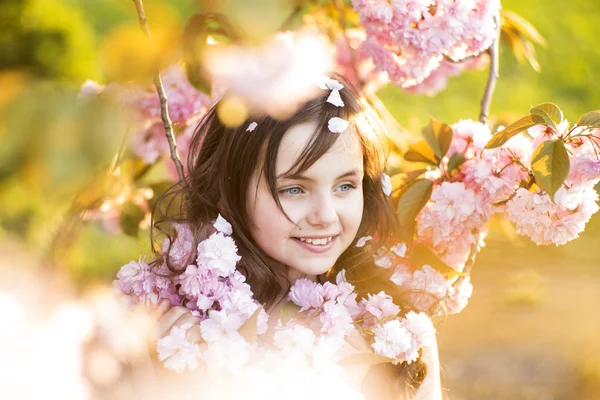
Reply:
x=287, y=24
x=164, y=109
x=493, y=51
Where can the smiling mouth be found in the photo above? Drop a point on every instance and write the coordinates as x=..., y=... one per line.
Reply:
x=321, y=241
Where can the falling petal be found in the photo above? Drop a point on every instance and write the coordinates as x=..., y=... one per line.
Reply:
x=251, y=127
x=337, y=125
x=362, y=241
x=335, y=99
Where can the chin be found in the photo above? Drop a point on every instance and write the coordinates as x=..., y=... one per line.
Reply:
x=314, y=268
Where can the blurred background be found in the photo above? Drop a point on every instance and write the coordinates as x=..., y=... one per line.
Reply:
x=531, y=328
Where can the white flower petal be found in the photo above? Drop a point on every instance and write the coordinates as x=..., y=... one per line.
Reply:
x=335, y=99
x=337, y=125
x=333, y=84
x=386, y=184
x=222, y=225
x=362, y=241
x=251, y=127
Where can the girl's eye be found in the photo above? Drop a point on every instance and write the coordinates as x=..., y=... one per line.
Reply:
x=346, y=187
x=292, y=191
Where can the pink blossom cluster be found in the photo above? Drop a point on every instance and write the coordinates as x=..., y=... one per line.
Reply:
x=337, y=309
x=216, y=292
x=427, y=287
x=355, y=63
x=185, y=103
x=493, y=180
x=332, y=307
x=401, y=339
x=463, y=201
x=211, y=287
x=453, y=221
x=408, y=39
x=536, y=216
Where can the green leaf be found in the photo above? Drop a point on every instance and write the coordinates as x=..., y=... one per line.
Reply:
x=522, y=26
x=288, y=310
x=130, y=218
x=364, y=358
x=550, y=112
x=248, y=330
x=438, y=136
x=421, y=255
x=455, y=161
x=591, y=119
x=421, y=152
x=404, y=178
x=513, y=129
x=413, y=200
x=550, y=165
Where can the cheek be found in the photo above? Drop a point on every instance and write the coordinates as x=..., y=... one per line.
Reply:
x=352, y=211
x=269, y=223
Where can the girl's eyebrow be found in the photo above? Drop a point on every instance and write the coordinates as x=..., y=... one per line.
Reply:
x=352, y=173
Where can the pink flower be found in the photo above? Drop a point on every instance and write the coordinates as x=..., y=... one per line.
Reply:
x=336, y=319
x=420, y=327
x=181, y=247
x=380, y=305
x=178, y=353
x=219, y=254
x=459, y=297
x=545, y=222
x=275, y=78
x=137, y=279
x=409, y=39
x=192, y=280
x=219, y=324
x=391, y=339
x=295, y=339
x=304, y=293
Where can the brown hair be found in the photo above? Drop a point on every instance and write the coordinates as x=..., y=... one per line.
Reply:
x=221, y=162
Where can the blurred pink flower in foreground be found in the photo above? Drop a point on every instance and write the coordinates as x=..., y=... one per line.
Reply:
x=275, y=78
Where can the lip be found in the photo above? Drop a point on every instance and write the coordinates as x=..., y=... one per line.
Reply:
x=317, y=236
x=317, y=248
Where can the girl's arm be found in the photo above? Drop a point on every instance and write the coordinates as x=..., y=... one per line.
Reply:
x=431, y=388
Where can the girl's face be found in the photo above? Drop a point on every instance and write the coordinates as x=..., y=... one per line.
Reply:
x=325, y=203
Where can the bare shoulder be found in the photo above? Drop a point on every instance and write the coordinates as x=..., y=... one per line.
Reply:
x=431, y=388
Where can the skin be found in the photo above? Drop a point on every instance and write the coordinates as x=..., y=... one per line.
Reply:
x=325, y=200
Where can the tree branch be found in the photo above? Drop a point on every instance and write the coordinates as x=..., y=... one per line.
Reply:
x=287, y=24
x=493, y=51
x=164, y=109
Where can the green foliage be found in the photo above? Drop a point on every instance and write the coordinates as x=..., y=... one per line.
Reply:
x=550, y=112
x=591, y=119
x=413, y=200
x=47, y=38
x=550, y=165
x=438, y=136
x=514, y=129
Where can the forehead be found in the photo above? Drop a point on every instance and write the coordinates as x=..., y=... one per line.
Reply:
x=346, y=153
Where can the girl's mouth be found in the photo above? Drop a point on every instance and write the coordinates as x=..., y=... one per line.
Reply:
x=317, y=245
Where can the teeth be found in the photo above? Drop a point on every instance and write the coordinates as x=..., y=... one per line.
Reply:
x=319, y=242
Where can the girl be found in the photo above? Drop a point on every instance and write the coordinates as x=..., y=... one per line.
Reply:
x=299, y=193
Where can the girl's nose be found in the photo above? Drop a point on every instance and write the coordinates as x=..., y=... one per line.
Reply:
x=323, y=212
